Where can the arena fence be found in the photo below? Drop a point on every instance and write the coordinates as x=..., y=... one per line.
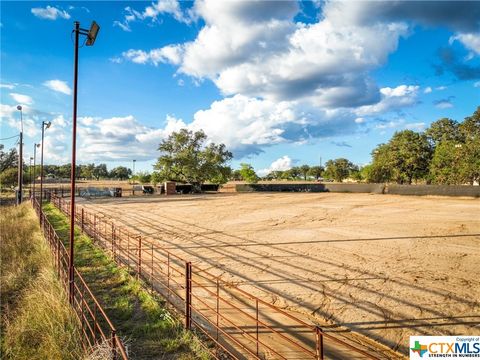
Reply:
x=232, y=322
x=96, y=327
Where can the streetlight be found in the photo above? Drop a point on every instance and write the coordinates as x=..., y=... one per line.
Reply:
x=20, y=159
x=45, y=125
x=30, y=171
x=91, y=37
x=133, y=171
x=34, y=161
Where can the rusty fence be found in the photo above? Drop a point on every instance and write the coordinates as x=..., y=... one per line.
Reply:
x=95, y=326
x=232, y=322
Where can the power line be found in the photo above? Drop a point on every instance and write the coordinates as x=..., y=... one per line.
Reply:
x=11, y=137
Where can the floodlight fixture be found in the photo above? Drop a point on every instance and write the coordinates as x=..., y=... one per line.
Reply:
x=92, y=34
x=19, y=107
x=47, y=124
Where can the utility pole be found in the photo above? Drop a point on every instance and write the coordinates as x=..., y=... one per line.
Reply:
x=20, y=160
x=45, y=125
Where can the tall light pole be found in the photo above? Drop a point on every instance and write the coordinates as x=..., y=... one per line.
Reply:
x=133, y=171
x=91, y=37
x=30, y=171
x=45, y=125
x=20, y=159
x=34, y=165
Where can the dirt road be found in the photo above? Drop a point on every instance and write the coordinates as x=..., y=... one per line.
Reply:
x=384, y=266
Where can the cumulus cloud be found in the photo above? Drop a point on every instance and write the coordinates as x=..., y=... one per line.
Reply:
x=50, y=13
x=391, y=99
x=171, y=7
x=444, y=103
x=22, y=99
x=121, y=138
x=470, y=40
x=281, y=164
x=428, y=90
x=59, y=86
x=167, y=54
x=257, y=49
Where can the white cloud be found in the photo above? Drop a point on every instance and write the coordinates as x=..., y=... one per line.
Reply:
x=59, y=86
x=471, y=41
x=427, y=90
x=171, y=7
x=443, y=104
x=281, y=164
x=167, y=54
x=392, y=98
x=257, y=50
x=476, y=84
x=7, y=86
x=22, y=99
x=440, y=88
x=419, y=126
x=50, y=13
x=121, y=138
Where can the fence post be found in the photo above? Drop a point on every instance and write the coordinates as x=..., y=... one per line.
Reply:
x=256, y=325
x=168, y=276
x=82, y=220
x=188, y=295
x=113, y=242
x=94, y=227
x=139, y=268
x=218, y=308
x=151, y=275
x=319, y=343
x=114, y=345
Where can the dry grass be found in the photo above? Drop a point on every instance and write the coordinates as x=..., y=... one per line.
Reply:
x=37, y=321
x=147, y=329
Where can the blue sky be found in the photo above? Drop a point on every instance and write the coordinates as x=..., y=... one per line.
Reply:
x=280, y=83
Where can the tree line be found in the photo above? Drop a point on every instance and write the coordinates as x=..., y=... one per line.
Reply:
x=447, y=152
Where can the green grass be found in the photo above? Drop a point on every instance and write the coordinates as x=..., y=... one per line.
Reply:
x=141, y=320
x=37, y=322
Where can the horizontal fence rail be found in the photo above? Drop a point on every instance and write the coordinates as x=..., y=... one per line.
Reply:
x=233, y=323
x=96, y=328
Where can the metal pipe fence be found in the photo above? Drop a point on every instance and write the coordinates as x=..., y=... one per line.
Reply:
x=234, y=323
x=96, y=327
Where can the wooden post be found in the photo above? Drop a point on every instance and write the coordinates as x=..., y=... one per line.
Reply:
x=188, y=295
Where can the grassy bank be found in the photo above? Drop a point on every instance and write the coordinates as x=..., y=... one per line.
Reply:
x=140, y=318
x=37, y=321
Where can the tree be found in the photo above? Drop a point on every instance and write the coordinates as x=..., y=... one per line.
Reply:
x=120, y=172
x=470, y=127
x=8, y=159
x=304, y=171
x=185, y=157
x=445, y=164
x=443, y=129
x=100, y=171
x=87, y=171
x=275, y=175
x=236, y=175
x=381, y=169
x=8, y=178
x=143, y=177
x=470, y=160
x=316, y=172
x=411, y=154
x=248, y=173
x=338, y=169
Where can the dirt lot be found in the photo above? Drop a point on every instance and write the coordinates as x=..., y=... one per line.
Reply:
x=382, y=265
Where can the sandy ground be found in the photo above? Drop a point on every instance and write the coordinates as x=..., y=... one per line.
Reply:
x=384, y=266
